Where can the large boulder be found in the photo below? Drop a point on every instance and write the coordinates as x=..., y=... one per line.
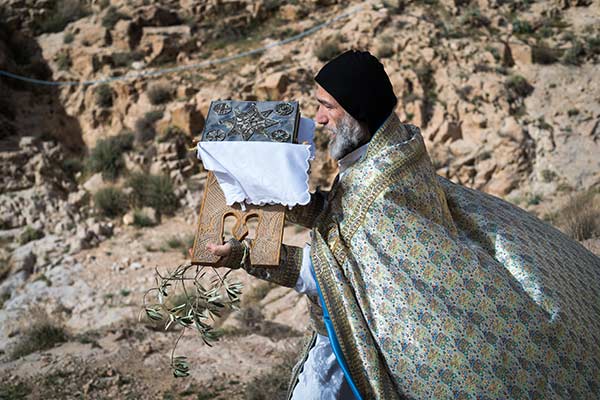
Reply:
x=154, y=15
x=187, y=118
x=518, y=53
x=95, y=183
x=272, y=87
x=163, y=44
x=84, y=62
x=291, y=12
x=450, y=131
x=126, y=34
x=23, y=259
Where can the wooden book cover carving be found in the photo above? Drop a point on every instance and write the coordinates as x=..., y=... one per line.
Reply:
x=244, y=121
x=213, y=212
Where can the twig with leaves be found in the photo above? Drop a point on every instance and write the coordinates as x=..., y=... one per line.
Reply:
x=206, y=294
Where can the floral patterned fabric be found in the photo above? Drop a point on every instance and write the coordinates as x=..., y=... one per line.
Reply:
x=439, y=291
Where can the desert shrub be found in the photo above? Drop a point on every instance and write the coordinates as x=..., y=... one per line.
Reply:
x=545, y=32
x=110, y=201
x=542, y=124
x=328, y=49
x=14, y=390
x=385, y=48
x=107, y=156
x=517, y=87
x=141, y=220
x=104, y=96
x=516, y=90
x=534, y=200
x=124, y=140
x=42, y=333
x=543, y=54
x=126, y=58
x=174, y=242
x=574, y=55
x=68, y=38
x=5, y=269
x=121, y=59
x=593, y=44
x=258, y=292
x=426, y=3
x=273, y=383
x=395, y=6
x=171, y=133
x=521, y=27
x=548, y=175
x=580, y=218
x=154, y=191
x=63, y=61
x=179, y=242
x=63, y=13
x=111, y=17
x=30, y=234
x=144, y=126
x=473, y=18
x=159, y=93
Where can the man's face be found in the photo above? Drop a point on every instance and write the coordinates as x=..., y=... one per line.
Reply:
x=347, y=134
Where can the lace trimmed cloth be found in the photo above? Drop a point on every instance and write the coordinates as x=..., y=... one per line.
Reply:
x=262, y=172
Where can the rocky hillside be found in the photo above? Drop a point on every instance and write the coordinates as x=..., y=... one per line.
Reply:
x=98, y=186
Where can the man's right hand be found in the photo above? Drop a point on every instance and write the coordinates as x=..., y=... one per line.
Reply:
x=221, y=250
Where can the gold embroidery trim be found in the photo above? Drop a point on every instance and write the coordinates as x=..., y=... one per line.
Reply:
x=339, y=250
x=339, y=319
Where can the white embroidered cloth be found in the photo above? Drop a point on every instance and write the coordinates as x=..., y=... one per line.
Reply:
x=262, y=172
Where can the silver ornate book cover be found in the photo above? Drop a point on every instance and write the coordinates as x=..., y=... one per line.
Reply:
x=257, y=121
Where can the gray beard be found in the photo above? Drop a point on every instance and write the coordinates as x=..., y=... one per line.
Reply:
x=349, y=136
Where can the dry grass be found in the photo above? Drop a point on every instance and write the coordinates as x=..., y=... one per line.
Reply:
x=111, y=201
x=329, y=49
x=255, y=294
x=156, y=191
x=40, y=333
x=580, y=218
x=159, y=93
x=144, y=126
x=272, y=384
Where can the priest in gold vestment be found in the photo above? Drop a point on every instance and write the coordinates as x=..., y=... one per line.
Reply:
x=421, y=288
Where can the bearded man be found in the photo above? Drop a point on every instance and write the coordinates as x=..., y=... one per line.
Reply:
x=421, y=288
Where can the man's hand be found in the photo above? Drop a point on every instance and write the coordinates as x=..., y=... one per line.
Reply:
x=221, y=250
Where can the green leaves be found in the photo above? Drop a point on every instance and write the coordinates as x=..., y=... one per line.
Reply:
x=191, y=297
x=154, y=314
x=180, y=367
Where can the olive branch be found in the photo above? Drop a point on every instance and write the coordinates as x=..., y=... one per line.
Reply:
x=206, y=294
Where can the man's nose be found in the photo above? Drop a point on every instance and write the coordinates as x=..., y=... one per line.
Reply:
x=321, y=117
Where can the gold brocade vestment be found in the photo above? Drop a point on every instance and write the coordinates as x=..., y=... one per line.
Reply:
x=439, y=291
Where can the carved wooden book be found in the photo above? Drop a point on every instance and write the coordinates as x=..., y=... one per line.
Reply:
x=244, y=121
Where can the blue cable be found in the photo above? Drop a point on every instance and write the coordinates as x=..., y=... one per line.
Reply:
x=333, y=340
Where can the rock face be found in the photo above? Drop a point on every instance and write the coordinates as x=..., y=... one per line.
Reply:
x=33, y=188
